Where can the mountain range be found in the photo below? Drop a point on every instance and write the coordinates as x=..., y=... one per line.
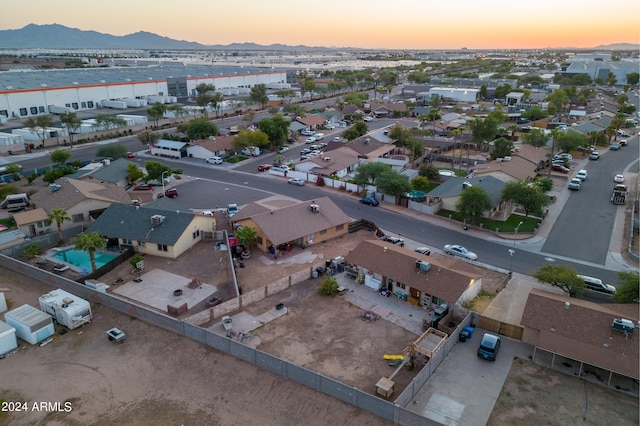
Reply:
x=61, y=37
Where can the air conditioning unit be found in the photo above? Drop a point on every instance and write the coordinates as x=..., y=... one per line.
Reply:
x=506, y=158
x=423, y=265
x=157, y=220
x=314, y=208
x=623, y=325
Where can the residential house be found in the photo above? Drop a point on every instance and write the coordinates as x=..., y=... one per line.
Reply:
x=539, y=157
x=171, y=149
x=418, y=279
x=508, y=169
x=313, y=122
x=583, y=334
x=420, y=111
x=152, y=231
x=114, y=172
x=366, y=146
x=215, y=146
x=333, y=116
x=387, y=109
x=447, y=194
x=338, y=162
x=83, y=200
x=34, y=222
x=296, y=224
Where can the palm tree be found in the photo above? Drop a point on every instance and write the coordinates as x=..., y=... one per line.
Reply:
x=59, y=216
x=246, y=236
x=90, y=243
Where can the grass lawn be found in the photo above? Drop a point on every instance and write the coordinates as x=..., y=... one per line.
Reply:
x=509, y=225
x=235, y=159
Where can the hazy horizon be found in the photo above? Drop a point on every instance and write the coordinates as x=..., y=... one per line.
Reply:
x=376, y=24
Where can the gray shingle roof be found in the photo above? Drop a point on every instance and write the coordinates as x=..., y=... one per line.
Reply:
x=114, y=172
x=129, y=222
x=452, y=187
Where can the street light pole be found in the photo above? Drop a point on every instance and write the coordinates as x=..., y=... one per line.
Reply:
x=513, y=250
x=162, y=179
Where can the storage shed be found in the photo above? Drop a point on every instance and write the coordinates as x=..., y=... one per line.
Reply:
x=66, y=308
x=8, y=340
x=31, y=324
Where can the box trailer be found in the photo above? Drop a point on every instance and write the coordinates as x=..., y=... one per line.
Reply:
x=31, y=324
x=135, y=103
x=55, y=109
x=8, y=339
x=135, y=119
x=113, y=104
x=65, y=308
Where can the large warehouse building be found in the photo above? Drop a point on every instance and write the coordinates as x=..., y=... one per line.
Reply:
x=26, y=93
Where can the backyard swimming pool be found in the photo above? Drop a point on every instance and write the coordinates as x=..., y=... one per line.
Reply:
x=81, y=258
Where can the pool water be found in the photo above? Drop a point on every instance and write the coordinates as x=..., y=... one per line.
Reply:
x=80, y=258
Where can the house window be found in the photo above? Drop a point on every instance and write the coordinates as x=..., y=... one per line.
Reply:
x=125, y=241
x=196, y=234
x=77, y=218
x=34, y=110
x=259, y=240
x=323, y=232
x=340, y=227
x=23, y=111
x=162, y=247
x=142, y=244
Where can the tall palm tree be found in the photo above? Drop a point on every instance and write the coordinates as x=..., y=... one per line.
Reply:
x=59, y=216
x=90, y=243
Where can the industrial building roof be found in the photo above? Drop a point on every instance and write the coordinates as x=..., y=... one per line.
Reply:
x=38, y=79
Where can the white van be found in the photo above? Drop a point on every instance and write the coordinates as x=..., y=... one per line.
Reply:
x=15, y=201
x=596, y=284
x=319, y=136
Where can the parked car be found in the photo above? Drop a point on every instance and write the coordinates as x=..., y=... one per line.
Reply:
x=296, y=181
x=489, y=346
x=459, y=251
x=614, y=147
x=215, y=160
x=263, y=167
x=564, y=156
x=307, y=133
x=131, y=154
x=394, y=240
x=169, y=193
x=143, y=187
x=337, y=139
x=559, y=168
x=574, y=184
x=310, y=139
x=423, y=250
x=369, y=201
x=291, y=140
x=624, y=142
x=329, y=126
x=305, y=151
x=596, y=284
x=283, y=150
x=281, y=168
x=368, y=118
x=559, y=163
x=618, y=179
x=594, y=155
x=582, y=175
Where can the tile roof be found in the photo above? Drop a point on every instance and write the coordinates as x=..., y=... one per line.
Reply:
x=297, y=220
x=74, y=191
x=583, y=331
x=313, y=120
x=399, y=264
x=517, y=168
x=132, y=223
x=221, y=143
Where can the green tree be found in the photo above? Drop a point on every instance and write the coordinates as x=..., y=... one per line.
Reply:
x=203, y=97
x=611, y=79
x=134, y=173
x=400, y=134
x=133, y=261
x=178, y=111
x=201, y=128
x=535, y=113
x=502, y=147
x=502, y=91
x=596, y=138
x=156, y=112
x=570, y=140
x=328, y=287
x=367, y=173
x=531, y=197
x=148, y=137
x=247, y=236
x=628, y=290
x=358, y=129
x=544, y=184
x=276, y=128
x=633, y=78
x=279, y=159
x=536, y=137
x=563, y=277
x=258, y=94
x=473, y=202
x=558, y=100
x=248, y=138
x=39, y=125
x=108, y=121
x=32, y=251
x=71, y=122
x=115, y=150
x=287, y=94
x=60, y=156
x=393, y=183
x=90, y=243
x=484, y=130
x=308, y=86
x=429, y=171
x=14, y=170
x=421, y=183
x=156, y=169
x=59, y=216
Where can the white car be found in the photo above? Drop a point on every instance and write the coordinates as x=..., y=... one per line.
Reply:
x=574, y=184
x=423, y=250
x=329, y=126
x=394, y=240
x=582, y=175
x=296, y=181
x=215, y=160
x=283, y=150
x=307, y=133
x=368, y=118
x=459, y=251
x=310, y=140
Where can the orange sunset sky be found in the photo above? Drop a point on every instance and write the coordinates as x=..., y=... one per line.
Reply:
x=391, y=24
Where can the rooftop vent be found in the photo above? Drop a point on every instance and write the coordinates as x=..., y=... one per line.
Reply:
x=157, y=220
x=366, y=141
x=466, y=185
x=54, y=187
x=623, y=325
x=314, y=208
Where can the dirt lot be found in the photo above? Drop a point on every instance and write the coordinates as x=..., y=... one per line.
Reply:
x=535, y=395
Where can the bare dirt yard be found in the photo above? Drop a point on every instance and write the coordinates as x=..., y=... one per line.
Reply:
x=154, y=377
x=534, y=395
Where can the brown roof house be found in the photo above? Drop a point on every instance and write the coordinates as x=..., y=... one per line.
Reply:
x=81, y=199
x=205, y=148
x=418, y=279
x=508, y=169
x=34, y=222
x=298, y=223
x=600, y=338
x=313, y=121
x=338, y=162
x=388, y=109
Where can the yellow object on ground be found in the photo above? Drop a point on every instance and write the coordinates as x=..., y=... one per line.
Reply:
x=387, y=356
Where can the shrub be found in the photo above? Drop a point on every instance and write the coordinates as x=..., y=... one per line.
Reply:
x=329, y=287
x=32, y=251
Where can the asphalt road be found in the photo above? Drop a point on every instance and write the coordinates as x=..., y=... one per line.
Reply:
x=583, y=229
